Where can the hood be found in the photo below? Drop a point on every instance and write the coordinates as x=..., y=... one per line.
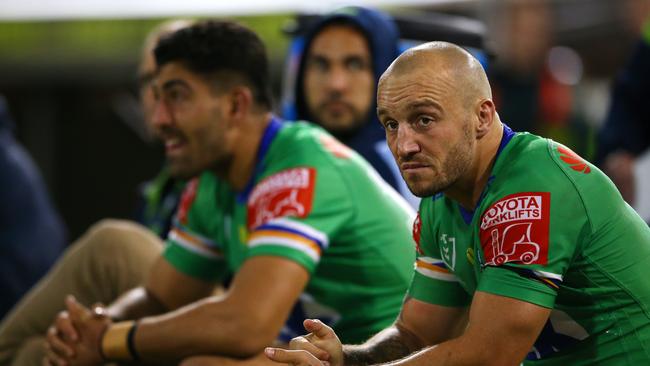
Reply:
x=382, y=36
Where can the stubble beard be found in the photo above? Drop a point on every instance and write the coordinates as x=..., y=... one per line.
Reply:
x=455, y=165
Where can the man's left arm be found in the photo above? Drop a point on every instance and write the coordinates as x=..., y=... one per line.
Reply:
x=501, y=332
x=239, y=323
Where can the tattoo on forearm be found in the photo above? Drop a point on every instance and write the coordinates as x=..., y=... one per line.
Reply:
x=388, y=345
x=388, y=349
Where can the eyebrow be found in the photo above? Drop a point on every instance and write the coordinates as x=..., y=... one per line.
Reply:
x=424, y=104
x=174, y=82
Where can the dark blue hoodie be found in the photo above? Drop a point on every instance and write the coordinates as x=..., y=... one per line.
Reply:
x=31, y=232
x=383, y=40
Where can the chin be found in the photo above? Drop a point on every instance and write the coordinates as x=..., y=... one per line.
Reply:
x=422, y=189
x=182, y=172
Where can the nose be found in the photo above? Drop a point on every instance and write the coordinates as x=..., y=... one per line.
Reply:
x=407, y=142
x=338, y=79
x=162, y=115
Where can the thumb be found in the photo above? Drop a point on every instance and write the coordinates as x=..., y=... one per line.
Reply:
x=318, y=328
x=293, y=357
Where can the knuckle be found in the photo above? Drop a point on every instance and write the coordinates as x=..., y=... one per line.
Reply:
x=296, y=341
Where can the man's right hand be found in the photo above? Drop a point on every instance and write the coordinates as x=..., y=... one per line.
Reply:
x=320, y=347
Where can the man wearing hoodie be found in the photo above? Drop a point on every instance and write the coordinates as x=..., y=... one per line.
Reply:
x=336, y=68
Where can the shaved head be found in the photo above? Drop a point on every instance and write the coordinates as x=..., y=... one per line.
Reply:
x=453, y=65
x=435, y=104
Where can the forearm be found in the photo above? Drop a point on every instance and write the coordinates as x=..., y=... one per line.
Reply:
x=390, y=344
x=135, y=304
x=459, y=351
x=207, y=327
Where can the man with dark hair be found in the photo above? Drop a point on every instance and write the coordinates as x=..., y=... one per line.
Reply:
x=302, y=224
x=109, y=259
x=339, y=61
x=526, y=252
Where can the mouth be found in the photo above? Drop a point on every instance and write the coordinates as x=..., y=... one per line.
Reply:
x=413, y=168
x=173, y=145
x=336, y=107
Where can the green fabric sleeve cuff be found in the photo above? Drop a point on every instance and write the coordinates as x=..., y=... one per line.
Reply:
x=194, y=264
x=438, y=292
x=282, y=251
x=504, y=282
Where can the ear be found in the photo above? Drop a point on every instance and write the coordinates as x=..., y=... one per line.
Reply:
x=241, y=102
x=485, y=112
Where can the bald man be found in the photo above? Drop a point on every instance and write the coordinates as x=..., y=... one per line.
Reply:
x=526, y=252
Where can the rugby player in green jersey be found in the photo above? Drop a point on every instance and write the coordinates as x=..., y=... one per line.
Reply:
x=302, y=224
x=526, y=252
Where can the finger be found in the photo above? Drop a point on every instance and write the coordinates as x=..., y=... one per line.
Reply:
x=57, y=345
x=52, y=358
x=65, y=327
x=78, y=313
x=297, y=357
x=318, y=328
x=302, y=343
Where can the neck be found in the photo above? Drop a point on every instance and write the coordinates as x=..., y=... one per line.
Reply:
x=467, y=191
x=246, y=144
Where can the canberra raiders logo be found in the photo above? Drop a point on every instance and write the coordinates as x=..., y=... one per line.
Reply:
x=448, y=250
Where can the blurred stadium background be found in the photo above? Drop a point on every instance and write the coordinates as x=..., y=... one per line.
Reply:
x=67, y=69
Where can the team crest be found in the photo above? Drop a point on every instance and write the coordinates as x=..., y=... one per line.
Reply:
x=287, y=193
x=448, y=250
x=515, y=229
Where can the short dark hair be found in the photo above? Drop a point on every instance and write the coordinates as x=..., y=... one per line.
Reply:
x=213, y=47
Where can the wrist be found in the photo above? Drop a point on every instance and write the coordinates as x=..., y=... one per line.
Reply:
x=118, y=342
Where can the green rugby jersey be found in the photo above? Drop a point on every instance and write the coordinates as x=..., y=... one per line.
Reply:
x=552, y=230
x=316, y=202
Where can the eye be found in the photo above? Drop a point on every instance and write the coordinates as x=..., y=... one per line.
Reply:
x=318, y=64
x=391, y=125
x=425, y=121
x=355, y=64
x=176, y=95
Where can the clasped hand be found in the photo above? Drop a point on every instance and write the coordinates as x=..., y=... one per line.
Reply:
x=320, y=347
x=75, y=336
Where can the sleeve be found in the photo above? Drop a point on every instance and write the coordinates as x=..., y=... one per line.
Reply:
x=189, y=249
x=433, y=281
x=294, y=212
x=528, y=240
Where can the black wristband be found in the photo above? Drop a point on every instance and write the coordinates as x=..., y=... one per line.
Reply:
x=130, y=342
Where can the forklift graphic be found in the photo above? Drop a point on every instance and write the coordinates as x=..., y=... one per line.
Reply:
x=520, y=247
x=288, y=205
